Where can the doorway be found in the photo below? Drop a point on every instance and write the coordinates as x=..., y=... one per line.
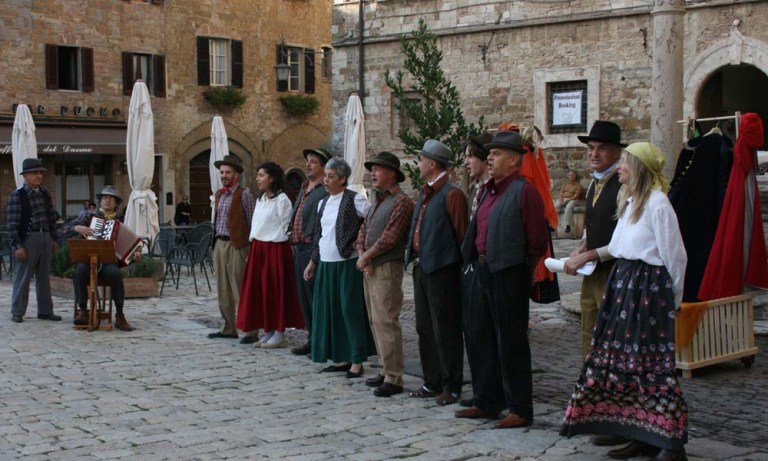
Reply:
x=732, y=88
x=200, y=186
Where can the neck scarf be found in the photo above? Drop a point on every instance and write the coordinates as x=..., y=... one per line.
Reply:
x=108, y=214
x=653, y=159
x=226, y=190
x=598, y=175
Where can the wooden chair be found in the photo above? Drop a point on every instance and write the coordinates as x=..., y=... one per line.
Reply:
x=104, y=303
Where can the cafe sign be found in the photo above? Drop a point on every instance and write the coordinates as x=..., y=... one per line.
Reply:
x=73, y=111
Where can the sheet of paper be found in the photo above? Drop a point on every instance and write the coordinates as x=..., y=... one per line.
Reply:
x=558, y=265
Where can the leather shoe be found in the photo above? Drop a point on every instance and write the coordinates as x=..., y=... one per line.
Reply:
x=671, y=455
x=387, y=390
x=376, y=381
x=219, y=334
x=634, y=448
x=607, y=440
x=52, y=317
x=302, y=350
x=466, y=403
x=122, y=324
x=336, y=368
x=473, y=413
x=511, y=421
x=249, y=339
x=17, y=318
x=82, y=319
x=352, y=375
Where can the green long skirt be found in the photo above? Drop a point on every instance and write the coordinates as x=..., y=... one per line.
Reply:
x=340, y=328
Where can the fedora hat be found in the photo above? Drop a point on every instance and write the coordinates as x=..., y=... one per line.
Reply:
x=321, y=153
x=480, y=141
x=604, y=131
x=111, y=191
x=389, y=160
x=507, y=140
x=30, y=165
x=230, y=160
x=437, y=151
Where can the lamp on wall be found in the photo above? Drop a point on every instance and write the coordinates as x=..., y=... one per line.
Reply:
x=123, y=167
x=282, y=69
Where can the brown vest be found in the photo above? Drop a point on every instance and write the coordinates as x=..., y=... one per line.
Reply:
x=239, y=229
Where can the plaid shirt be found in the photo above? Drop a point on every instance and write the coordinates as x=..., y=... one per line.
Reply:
x=40, y=217
x=225, y=204
x=297, y=233
x=397, y=225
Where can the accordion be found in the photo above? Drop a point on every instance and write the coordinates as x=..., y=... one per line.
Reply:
x=126, y=242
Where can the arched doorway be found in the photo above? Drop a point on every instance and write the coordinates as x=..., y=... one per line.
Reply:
x=200, y=186
x=293, y=179
x=731, y=88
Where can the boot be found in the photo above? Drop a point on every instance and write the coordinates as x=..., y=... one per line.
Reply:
x=121, y=323
x=82, y=319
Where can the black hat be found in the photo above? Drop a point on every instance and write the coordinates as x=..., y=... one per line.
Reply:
x=30, y=165
x=604, y=131
x=323, y=154
x=480, y=141
x=437, y=151
x=507, y=140
x=230, y=160
x=111, y=191
x=389, y=160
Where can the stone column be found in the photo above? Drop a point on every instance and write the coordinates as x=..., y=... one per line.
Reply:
x=667, y=79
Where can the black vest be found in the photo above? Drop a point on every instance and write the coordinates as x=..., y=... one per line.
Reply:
x=438, y=243
x=600, y=218
x=347, y=227
x=26, y=214
x=505, y=240
x=376, y=222
x=308, y=209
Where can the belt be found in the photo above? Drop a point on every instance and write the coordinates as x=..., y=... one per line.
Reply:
x=226, y=238
x=39, y=230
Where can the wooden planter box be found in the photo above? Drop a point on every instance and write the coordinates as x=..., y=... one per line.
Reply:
x=137, y=287
x=726, y=332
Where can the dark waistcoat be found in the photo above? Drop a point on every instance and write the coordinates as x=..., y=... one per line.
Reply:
x=438, y=246
x=377, y=219
x=600, y=218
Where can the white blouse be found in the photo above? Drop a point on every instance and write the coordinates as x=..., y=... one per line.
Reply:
x=329, y=252
x=271, y=218
x=654, y=239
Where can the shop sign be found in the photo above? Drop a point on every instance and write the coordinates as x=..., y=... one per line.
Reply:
x=73, y=111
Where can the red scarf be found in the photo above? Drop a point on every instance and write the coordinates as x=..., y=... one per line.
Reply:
x=225, y=190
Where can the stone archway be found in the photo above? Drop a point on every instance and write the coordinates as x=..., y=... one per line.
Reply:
x=736, y=50
x=287, y=148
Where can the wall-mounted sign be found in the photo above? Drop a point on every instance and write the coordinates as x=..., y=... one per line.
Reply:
x=73, y=111
x=566, y=108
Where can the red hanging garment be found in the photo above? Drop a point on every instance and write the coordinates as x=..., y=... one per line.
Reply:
x=732, y=264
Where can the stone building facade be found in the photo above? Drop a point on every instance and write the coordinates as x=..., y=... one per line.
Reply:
x=74, y=63
x=635, y=62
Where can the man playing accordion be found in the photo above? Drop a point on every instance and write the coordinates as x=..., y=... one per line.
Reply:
x=108, y=201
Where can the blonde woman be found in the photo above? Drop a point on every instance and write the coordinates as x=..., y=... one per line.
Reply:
x=628, y=386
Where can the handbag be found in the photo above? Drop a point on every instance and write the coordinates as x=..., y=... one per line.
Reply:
x=546, y=291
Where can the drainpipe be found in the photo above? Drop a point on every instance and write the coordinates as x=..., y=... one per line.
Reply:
x=361, y=51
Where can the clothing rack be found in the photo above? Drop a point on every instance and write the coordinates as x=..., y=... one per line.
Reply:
x=687, y=122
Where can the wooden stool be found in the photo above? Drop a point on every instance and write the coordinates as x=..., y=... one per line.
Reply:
x=104, y=310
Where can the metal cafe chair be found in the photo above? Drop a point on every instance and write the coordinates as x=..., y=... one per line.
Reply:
x=189, y=255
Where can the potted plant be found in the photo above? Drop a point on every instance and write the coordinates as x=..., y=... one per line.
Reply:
x=140, y=278
x=228, y=96
x=300, y=105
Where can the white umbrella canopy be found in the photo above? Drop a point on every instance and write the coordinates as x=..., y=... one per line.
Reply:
x=141, y=215
x=23, y=141
x=219, y=149
x=354, y=143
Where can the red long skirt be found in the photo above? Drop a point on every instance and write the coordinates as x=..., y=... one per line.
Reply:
x=268, y=297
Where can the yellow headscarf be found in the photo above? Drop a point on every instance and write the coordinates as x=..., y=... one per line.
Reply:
x=653, y=159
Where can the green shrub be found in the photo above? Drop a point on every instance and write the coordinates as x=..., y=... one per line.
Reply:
x=224, y=96
x=61, y=266
x=299, y=105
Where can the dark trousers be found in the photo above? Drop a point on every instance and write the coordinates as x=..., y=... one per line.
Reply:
x=438, y=323
x=306, y=290
x=110, y=273
x=497, y=330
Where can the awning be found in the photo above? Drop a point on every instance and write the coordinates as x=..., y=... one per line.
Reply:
x=68, y=140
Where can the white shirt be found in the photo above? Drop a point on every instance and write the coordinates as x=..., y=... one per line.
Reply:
x=271, y=218
x=328, y=250
x=654, y=239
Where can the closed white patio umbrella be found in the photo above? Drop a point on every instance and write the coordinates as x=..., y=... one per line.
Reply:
x=354, y=143
x=23, y=141
x=141, y=215
x=219, y=149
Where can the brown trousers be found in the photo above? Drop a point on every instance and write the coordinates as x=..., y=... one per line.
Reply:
x=384, y=299
x=592, y=289
x=229, y=263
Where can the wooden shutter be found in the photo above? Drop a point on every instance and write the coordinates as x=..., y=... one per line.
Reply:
x=86, y=54
x=237, y=63
x=52, y=67
x=309, y=70
x=159, y=72
x=157, y=2
x=127, y=58
x=281, y=59
x=203, y=62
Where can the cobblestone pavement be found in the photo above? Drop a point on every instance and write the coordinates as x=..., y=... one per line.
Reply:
x=165, y=391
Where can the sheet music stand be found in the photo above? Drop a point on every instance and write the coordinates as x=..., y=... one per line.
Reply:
x=93, y=252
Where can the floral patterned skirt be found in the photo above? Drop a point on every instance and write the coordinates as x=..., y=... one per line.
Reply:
x=628, y=385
